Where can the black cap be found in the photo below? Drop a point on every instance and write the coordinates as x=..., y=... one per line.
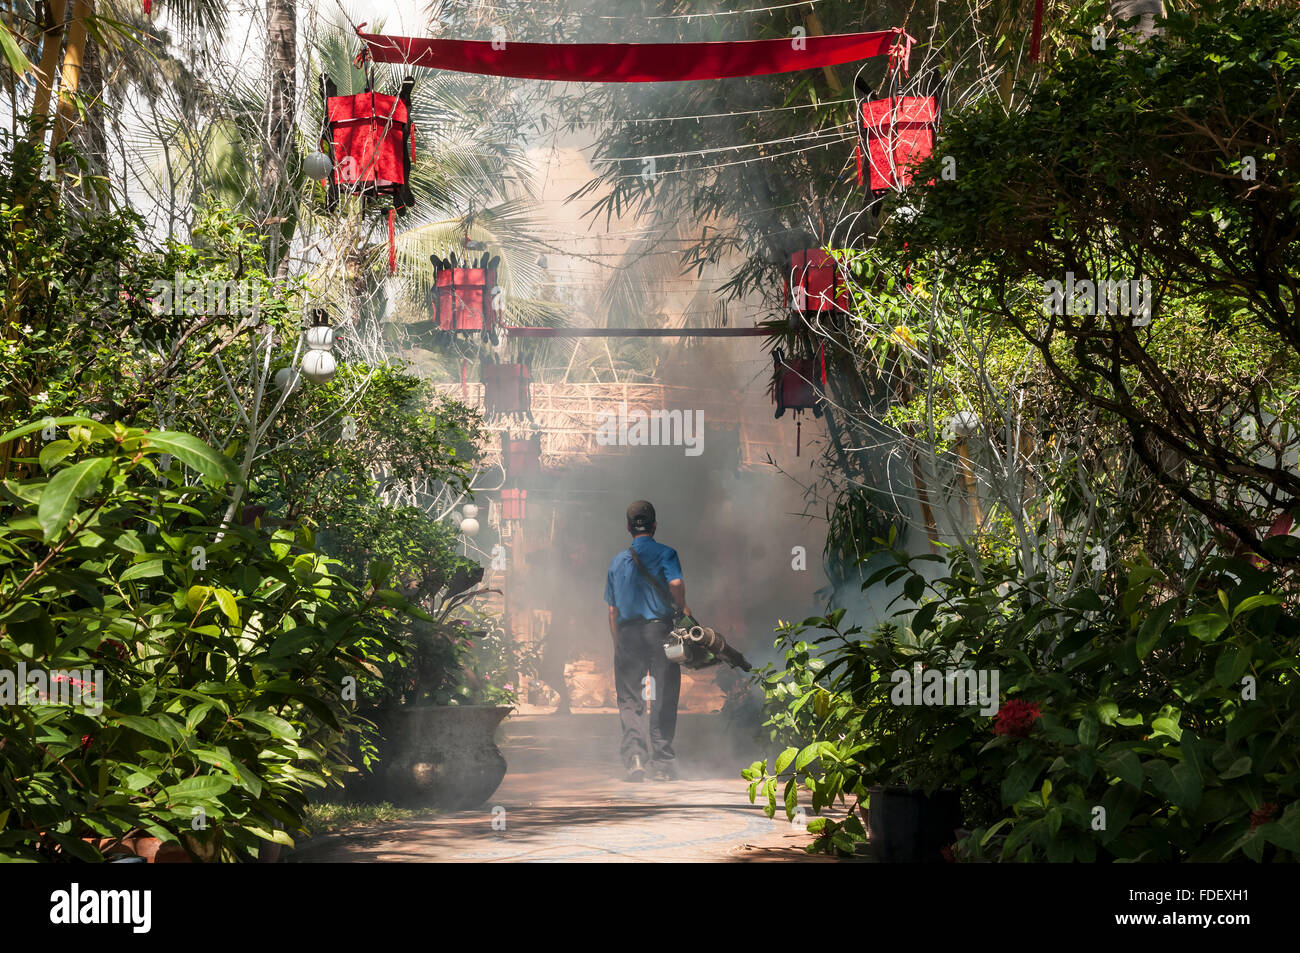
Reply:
x=640, y=516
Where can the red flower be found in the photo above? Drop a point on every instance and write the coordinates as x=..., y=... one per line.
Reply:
x=1266, y=811
x=947, y=853
x=1016, y=718
x=85, y=742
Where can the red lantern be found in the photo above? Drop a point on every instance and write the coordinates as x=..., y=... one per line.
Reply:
x=371, y=142
x=814, y=284
x=513, y=504
x=507, y=389
x=795, y=384
x=463, y=295
x=521, y=457
x=898, y=133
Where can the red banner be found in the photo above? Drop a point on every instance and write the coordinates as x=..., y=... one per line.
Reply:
x=635, y=62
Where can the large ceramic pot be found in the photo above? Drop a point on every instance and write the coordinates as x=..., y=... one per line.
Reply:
x=909, y=827
x=441, y=756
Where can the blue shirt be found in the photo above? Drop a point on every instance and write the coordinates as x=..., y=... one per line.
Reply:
x=630, y=592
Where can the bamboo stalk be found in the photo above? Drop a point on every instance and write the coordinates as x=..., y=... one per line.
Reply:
x=53, y=42
x=70, y=75
x=972, y=488
x=815, y=29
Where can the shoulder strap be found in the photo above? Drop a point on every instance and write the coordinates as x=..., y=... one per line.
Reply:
x=646, y=573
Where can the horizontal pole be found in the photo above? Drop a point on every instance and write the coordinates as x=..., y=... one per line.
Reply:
x=643, y=332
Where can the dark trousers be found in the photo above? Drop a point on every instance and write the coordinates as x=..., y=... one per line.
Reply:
x=648, y=710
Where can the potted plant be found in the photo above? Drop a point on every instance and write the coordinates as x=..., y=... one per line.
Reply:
x=434, y=744
x=899, y=762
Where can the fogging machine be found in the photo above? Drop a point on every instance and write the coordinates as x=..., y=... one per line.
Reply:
x=690, y=644
x=698, y=646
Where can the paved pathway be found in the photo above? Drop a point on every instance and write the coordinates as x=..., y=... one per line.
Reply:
x=565, y=800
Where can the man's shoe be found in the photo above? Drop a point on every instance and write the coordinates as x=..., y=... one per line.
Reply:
x=663, y=770
x=635, y=770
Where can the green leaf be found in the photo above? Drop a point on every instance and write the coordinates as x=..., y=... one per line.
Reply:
x=1126, y=766
x=202, y=788
x=194, y=453
x=784, y=758
x=1235, y=770
x=1167, y=727
x=276, y=725
x=41, y=425
x=53, y=453
x=1251, y=603
x=1088, y=731
x=144, y=570
x=808, y=755
x=17, y=60
x=1206, y=626
x=924, y=617
x=226, y=600
x=1152, y=628
x=146, y=726
x=196, y=597
x=59, y=501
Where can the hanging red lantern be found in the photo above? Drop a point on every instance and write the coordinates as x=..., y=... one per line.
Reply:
x=814, y=284
x=513, y=505
x=507, y=389
x=795, y=387
x=898, y=133
x=370, y=141
x=795, y=384
x=521, y=456
x=463, y=294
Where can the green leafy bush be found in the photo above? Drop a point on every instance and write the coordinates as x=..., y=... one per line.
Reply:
x=229, y=655
x=1167, y=721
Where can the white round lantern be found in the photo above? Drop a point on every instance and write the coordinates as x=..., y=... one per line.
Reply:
x=317, y=165
x=470, y=511
x=469, y=527
x=320, y=337
x=286, y=379
x=319, y=367
x=964, y=424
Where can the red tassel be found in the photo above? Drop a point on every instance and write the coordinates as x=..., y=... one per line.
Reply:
x=822, y=348
x=392, y=241
x=148, y=7
x=857, y=159
x=1038, y=31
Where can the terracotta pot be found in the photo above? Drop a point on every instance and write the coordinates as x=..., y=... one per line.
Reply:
x=150, y=849
x=441, y=756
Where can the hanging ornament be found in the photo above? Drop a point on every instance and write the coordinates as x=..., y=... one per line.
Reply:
x=465, y=294
x=513, y=505
x=521, y=456
x=814, y=284
x=318, y=362
x=317, y=165
x=286, y=379
x=370, y=140
x=507, y=390
x=319, y=367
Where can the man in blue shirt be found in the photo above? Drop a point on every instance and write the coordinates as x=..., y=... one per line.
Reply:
x=641, y=614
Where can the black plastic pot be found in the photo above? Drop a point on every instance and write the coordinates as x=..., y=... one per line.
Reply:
x=909, y=827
